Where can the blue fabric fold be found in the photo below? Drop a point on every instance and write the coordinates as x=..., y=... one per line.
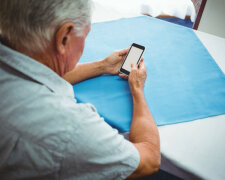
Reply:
x=184, y=82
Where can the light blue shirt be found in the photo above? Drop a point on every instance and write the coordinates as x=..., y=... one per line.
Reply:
x=46, y=134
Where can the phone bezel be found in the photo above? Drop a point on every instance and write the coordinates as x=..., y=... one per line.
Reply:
x=137, y=46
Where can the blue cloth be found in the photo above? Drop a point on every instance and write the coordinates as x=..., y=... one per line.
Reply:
x=184, y=83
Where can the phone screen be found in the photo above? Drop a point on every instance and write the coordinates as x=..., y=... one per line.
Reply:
x=132, y=58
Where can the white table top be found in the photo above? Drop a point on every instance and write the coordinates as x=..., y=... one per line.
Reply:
x=197, y=147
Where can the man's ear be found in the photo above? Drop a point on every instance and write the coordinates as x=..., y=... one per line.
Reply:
x=64, y=37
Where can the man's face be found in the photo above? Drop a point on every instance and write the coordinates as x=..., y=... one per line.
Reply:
x=76, y=49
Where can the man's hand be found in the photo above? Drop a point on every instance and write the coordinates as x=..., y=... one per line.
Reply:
x=110, y=65
x=113, y=62
x=137, y=77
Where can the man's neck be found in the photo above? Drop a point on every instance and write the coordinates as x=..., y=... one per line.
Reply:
x=49, y=59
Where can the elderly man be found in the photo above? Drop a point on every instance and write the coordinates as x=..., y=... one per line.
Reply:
x=44, y=132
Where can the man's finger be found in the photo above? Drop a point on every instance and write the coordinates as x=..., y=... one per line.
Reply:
x=141, y=61
x=124, y=51
x=142, y=65
x=133, y=66
x=123, y=76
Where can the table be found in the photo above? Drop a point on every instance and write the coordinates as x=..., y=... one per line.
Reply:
x=196, y=149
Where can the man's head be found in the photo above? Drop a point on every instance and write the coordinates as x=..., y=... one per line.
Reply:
x=51, y=28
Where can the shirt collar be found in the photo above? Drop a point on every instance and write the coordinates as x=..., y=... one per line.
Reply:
x=35, y=70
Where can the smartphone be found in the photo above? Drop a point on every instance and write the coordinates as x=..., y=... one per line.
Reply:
x=133, y=56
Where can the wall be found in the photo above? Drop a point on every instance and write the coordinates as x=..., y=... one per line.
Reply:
x=213, y=18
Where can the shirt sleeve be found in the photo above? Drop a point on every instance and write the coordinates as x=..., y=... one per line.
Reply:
x=95, y=150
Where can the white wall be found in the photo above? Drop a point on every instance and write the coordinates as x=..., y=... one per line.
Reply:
x=213, y=18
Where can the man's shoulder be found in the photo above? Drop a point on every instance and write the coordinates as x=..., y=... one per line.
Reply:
x=30, y=106
x=38, y=122
x=30, y=102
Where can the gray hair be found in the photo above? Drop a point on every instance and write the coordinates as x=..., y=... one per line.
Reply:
x=31, y=24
